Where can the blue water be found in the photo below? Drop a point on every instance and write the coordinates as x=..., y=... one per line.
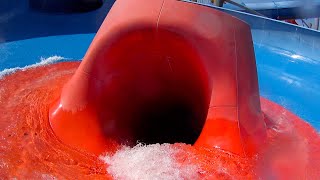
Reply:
x=29, y=51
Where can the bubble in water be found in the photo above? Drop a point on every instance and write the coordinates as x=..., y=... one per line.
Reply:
x=155, y=161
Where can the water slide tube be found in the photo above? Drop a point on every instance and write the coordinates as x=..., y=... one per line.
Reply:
x=154, y=75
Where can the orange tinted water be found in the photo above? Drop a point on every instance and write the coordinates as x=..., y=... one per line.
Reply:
x=29, y=148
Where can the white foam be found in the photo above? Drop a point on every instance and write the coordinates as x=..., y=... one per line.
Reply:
x=43, y=61
x=146, y=162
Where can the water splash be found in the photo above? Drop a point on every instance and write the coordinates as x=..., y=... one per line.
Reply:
x=155, y=161
x=43, y=62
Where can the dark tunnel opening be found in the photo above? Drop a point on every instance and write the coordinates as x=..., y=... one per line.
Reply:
x=169, y=121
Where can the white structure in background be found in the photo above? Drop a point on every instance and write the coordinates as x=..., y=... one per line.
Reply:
x=313, y=23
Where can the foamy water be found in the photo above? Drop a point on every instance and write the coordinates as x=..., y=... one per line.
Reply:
x=43, y=61
x=144, y=162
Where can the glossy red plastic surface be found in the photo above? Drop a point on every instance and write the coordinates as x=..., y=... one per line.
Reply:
x=164, y=54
